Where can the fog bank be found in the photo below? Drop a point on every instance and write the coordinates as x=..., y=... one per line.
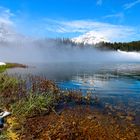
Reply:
x=47, y=51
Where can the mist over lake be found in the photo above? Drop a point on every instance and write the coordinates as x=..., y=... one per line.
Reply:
x=112, y=75
x=69, y=70
x=115, y=83
x=49, y=51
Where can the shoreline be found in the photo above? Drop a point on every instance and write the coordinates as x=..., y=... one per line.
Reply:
x=7, y=65
x=36, y=113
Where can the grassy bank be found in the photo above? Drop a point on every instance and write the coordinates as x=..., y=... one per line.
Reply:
x=24, y=98
x=40, y=110
x=11, y=65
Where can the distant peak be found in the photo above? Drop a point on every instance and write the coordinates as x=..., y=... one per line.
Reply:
x=91, y=37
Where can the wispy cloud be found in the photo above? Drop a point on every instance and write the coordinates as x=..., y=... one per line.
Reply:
x=7, y=25
x=117, y=15
x=5, y=16
x=132, y=4
x=99, y=2
x=110, y=31
x=67, y=28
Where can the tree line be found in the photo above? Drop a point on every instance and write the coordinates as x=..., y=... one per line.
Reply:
x=124, y=46
x=129, y=46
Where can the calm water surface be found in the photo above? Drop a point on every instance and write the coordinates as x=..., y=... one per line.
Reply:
x=116, y=84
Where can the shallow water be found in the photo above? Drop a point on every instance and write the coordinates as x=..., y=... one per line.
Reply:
x=115, y=84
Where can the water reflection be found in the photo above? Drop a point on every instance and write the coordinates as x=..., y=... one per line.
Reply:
x=116, y=85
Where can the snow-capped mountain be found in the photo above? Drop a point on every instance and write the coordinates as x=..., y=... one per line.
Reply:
x=91, y=37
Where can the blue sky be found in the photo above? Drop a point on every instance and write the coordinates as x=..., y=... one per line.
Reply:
x=117, y=20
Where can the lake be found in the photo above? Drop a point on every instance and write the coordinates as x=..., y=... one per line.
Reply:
x=117, y=85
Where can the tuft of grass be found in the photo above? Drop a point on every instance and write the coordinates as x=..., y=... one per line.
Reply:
x=7, y=82
x=8, y=89
x=2, y=69
x=34, y=104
